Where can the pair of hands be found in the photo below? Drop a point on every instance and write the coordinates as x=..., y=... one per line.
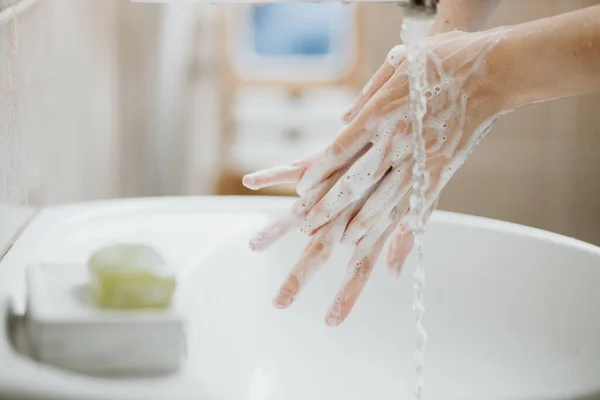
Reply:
x=357, y=190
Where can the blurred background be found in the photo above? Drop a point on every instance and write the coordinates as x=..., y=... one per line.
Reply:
x=107, y=98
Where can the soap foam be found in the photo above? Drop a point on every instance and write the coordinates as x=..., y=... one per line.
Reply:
x=451, y=79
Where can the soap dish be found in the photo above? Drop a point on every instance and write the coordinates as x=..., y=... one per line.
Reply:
x=66, y=330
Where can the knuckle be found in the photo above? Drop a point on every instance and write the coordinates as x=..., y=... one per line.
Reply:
x=318, y=248
x=336, y=148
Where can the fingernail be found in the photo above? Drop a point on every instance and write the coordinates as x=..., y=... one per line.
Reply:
x=333, y=321
x=284, y=299
x=248, y=181
x=334, y=315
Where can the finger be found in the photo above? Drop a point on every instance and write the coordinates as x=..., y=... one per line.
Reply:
x=314, y=256
x=315, y=194
x=351, y=140
x=360, y=267
x=359, y=178
x=401, y=243
x=276, y=230
x=387, y=107
x=370, y=120
x=383, y=74
x=391, y=191
x=279, y=175
x=273, y=232
x=273, y=176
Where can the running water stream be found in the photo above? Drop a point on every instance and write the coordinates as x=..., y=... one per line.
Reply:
x=414, y=32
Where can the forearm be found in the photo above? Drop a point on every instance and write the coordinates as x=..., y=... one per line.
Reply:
x=549, y=59
x=464, y=15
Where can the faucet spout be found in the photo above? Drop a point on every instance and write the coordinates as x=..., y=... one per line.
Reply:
x=419, y=8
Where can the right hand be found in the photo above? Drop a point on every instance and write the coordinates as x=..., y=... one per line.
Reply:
x=374, y=150
x=358, y=188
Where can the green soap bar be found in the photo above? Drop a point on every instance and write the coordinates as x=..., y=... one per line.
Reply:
x=130, y=276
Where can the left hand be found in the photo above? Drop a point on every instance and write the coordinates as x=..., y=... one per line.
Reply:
x=319, y=248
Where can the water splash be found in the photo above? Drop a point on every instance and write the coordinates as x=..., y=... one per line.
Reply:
x=414, y=32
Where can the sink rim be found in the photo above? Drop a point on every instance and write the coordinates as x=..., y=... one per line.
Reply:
x=76, y=213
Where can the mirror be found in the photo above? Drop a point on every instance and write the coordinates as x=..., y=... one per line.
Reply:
x=292, y=41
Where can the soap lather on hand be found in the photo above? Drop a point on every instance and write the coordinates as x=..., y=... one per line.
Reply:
x=131, y=276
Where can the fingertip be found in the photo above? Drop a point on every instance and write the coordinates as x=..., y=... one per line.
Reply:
x=252, y=245
x=284, y=299
x=333, y=321
x=335, y=315
x=249, y=181
x=255, y=243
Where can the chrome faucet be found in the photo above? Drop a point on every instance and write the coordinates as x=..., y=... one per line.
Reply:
x=419, y=8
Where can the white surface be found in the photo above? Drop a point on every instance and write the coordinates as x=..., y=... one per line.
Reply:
x=511, y=311
x=66, y=330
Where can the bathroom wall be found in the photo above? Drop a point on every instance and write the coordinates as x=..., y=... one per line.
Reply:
x=540, y=166
x=102, y=99
x=85, y=96
x=57, y=101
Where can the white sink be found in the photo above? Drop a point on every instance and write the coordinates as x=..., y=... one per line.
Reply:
x=512, y=312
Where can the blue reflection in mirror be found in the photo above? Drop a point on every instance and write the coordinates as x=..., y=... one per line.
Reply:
x=296, y=29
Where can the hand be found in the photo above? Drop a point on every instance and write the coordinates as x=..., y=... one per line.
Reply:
x=463, y=101
x=318, y=251
x=367, y=215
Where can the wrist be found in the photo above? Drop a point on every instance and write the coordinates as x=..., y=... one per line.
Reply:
x=533, y=64
x=506, y=79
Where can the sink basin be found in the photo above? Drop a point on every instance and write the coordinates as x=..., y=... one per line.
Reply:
x=511, y=311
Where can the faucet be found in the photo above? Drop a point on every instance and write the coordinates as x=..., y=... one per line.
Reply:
x=419, y=8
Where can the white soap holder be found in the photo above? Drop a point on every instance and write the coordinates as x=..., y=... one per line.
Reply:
x=66, y=330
